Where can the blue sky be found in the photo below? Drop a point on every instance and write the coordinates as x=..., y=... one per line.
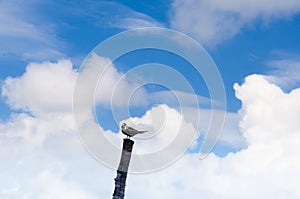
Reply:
x=254, y=44
x=73, y=29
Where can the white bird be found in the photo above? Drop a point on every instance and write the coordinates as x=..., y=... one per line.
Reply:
x=129, y=131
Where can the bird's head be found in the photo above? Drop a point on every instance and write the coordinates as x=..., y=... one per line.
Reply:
x=123, y=125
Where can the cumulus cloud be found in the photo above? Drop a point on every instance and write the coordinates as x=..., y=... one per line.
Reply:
x=268, y=166
x=163, y=125
x=269, y=112
x=48, y=87
x=41, y=151
x=43, y=88
x=212, y=22
x=59, y=167
x=33, y=131
x=43, y=95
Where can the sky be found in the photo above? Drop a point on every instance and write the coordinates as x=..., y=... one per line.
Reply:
x=64, y=96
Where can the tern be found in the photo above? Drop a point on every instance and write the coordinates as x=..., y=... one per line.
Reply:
x=129, y=131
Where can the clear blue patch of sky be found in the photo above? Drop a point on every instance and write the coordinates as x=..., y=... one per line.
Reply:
x=182, y=66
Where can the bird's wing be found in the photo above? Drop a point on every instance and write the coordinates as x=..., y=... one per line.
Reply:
x=130, y=128
x=133, y=131
x=142, y=131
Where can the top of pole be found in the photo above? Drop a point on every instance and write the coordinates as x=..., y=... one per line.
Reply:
x=128, y=144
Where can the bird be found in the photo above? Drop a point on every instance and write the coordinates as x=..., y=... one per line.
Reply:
x=129, y=131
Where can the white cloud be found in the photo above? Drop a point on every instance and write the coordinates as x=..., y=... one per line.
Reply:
x=269, y=112
x=269, y=166
x=41, y=152
x=43, y=88
x=33, y=131
x=212, y=22
x=48, y=87
x=59, y=167
x=163, y=125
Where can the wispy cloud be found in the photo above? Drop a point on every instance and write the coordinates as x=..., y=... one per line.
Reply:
x=28, y=31
x=25, y=38
x=285, y=72
x=212, y=22
x=136, y=22
x=127, y=18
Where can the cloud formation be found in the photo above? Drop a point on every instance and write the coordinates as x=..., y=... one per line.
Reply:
x=268, y=166
x=163, y=124
x=43, y=88
x=48, y=87
x=212, y=22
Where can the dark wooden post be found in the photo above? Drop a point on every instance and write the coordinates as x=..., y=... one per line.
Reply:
x=120, y=180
